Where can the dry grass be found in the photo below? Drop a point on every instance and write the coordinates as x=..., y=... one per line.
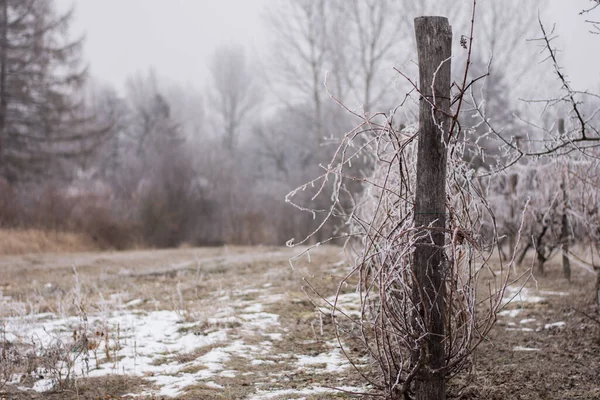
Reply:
x=219, y=289
x=36, y=241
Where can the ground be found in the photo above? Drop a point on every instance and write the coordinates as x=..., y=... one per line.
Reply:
x=236, y=323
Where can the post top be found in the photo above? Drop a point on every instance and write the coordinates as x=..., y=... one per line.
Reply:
x=432, y=17
x=436, y=23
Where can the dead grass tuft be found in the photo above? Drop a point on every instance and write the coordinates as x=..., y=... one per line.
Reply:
x=35, y=241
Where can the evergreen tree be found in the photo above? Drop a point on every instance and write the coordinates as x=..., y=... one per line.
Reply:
x=42, y=123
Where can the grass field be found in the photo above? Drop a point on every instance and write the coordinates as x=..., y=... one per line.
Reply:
x=235, y=323
x=35, y=241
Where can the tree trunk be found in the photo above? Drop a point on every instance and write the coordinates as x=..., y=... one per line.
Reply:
x=564, y=235
x=513, y=181
x=523, y=254
x=598, y=289
x=564, y=231
x=539, y=251
x=540, y=261
x=434, y=41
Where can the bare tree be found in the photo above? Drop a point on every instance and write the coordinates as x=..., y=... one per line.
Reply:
x=233, y=93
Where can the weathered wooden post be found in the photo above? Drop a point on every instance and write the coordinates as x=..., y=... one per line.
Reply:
x=434, y=43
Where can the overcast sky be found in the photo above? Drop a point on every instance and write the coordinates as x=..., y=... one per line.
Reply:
x=177, y=37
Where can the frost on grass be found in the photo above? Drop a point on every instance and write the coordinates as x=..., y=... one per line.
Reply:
x=228, y=334
x=517, y=295
x=301, y=393
x=333, y=361
x=517, y=299
x=347, y=304
x=171, y=353
x=510, y=313
x=555, y=325
x=520, y=348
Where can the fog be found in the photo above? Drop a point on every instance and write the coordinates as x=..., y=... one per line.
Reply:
x=193, y=122
x=177, y=37
x=422, y=191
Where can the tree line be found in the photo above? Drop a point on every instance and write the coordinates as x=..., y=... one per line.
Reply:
x=162, y=164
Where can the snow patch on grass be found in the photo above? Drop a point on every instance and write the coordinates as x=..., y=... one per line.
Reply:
x=510, y=313
x=347, y=304
x=153, y=344
x=527, y=320
x=555, y=325
x=520, y=348
x=524, y=295
x=334, y=361
x=266, y=395
x=521, y=329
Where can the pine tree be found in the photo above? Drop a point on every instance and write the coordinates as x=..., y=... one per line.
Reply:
x=42, y=124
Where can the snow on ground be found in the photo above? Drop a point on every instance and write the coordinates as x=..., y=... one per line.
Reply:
x=176, y=349
x=519, y=348
x=153, y=344
x=266, y=395
x=527, y=320
x=334, y=361
x=516, y=294
x=516, y=300
x=555, y=325
x=510, y=313
x=347, y=304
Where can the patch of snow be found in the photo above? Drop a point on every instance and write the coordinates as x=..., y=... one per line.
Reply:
x=148, y=344
x=346, y=304
x=132, y=303
x=228, y=374
x=272, y=298
x=555, y=325
x=527, y=320
x=274, y=336
x=266, y=395
x=524, y=295
x=143, y=339
x=214, y=359
x=521, y=329
x=172, y=386
x=260, y=362
x=261, y=319
x=551, y=293
x=519, y=348
x=333, y=360
x=510, y=313
x=254, y=308
x=222, y=320
x=43, y=385
x=246, y=291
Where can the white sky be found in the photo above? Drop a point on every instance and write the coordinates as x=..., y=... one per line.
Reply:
x=175, y=37
x=178, y=37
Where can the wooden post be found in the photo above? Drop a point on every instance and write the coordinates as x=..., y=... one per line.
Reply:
x=434, y=44
x=564, y=230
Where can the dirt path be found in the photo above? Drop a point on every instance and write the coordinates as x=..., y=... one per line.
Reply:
x=19, y=274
